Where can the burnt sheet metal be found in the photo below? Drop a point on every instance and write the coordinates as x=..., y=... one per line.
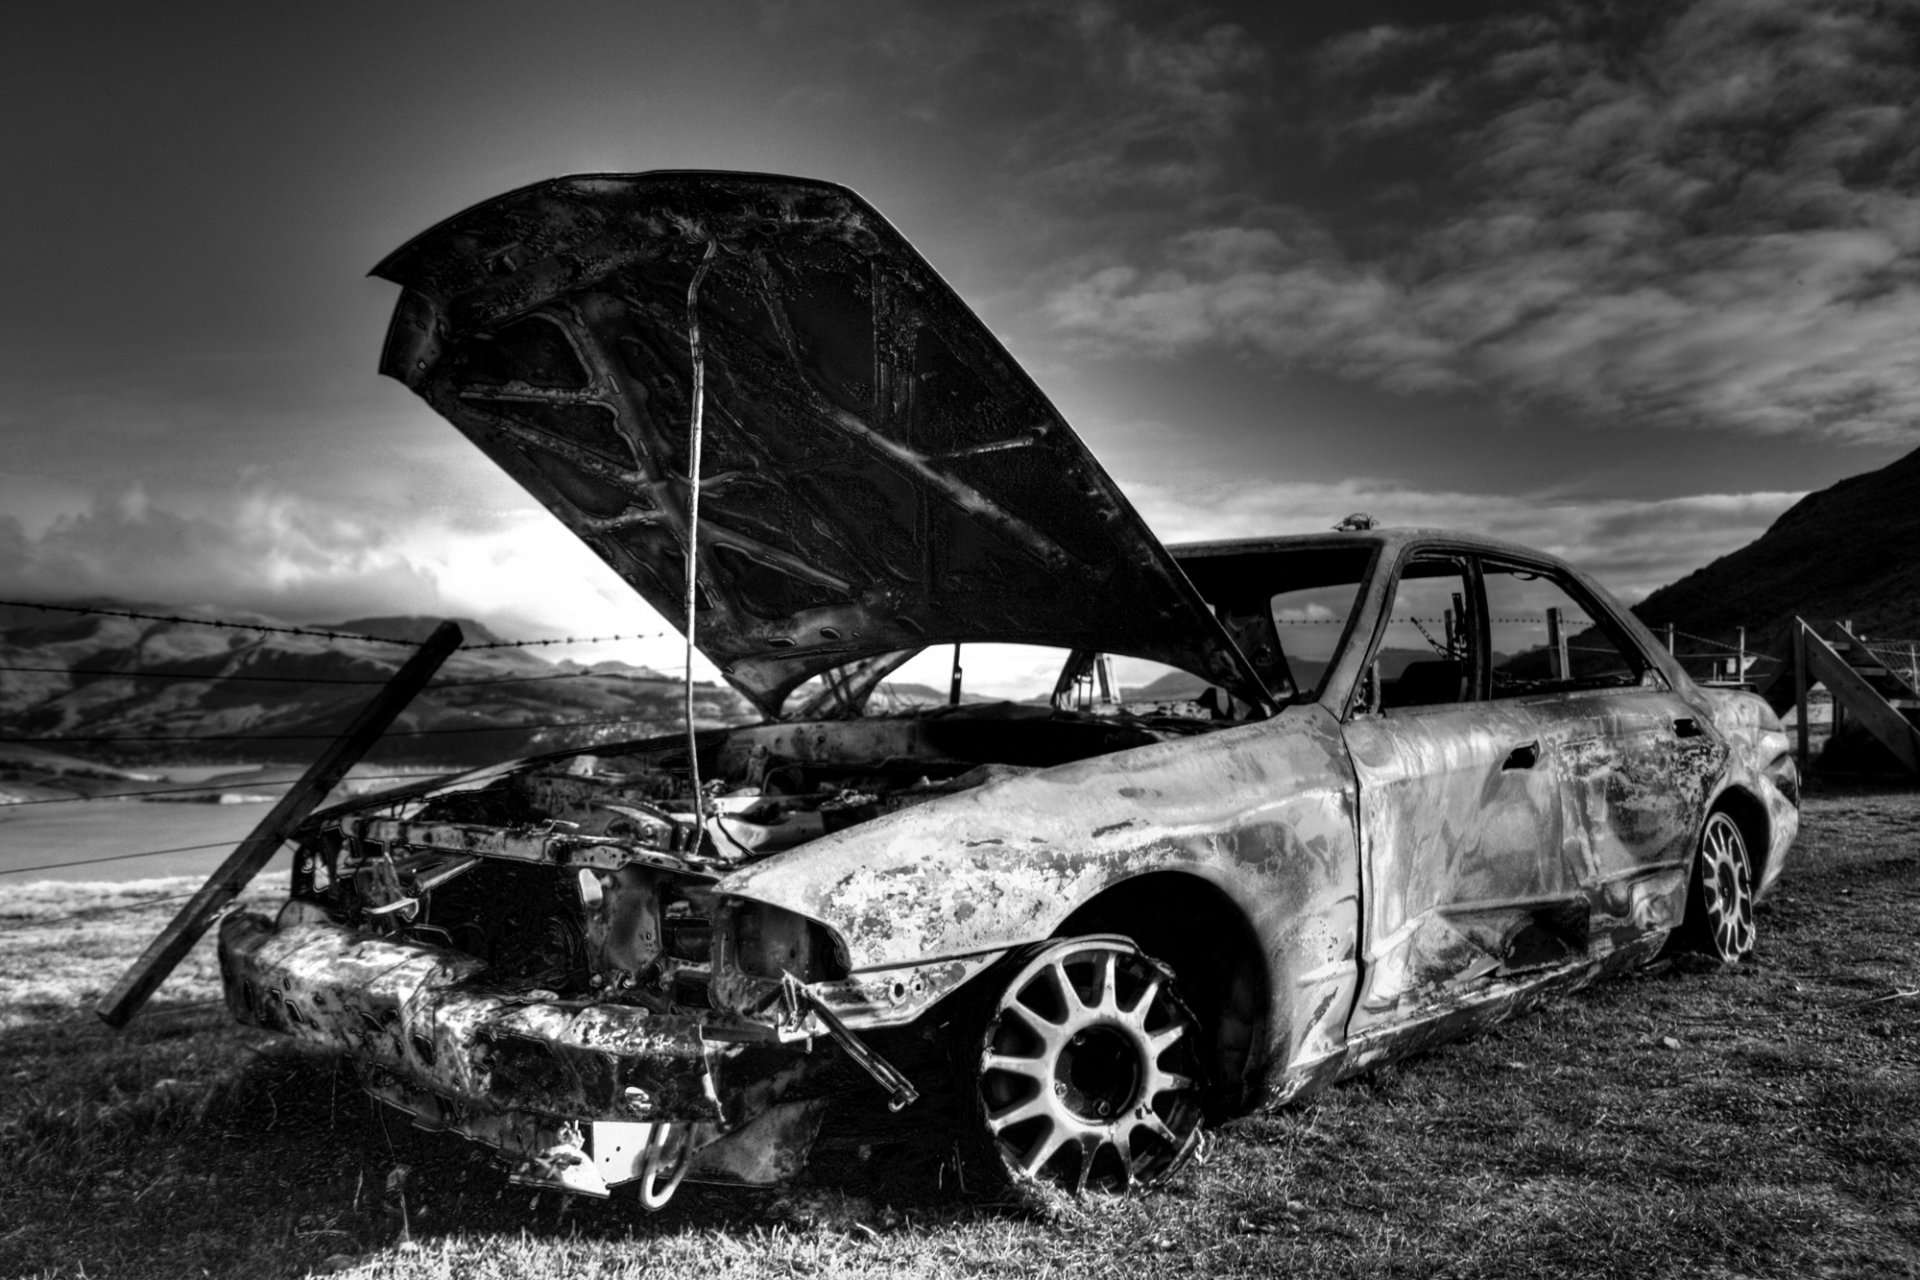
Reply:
x=1520, y=836
x=768, y=1150
x=878, y=473
x=927, y=896
x=1761, y=763
x=415, y=1013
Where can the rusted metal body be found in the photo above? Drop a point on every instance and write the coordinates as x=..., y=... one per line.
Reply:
x=1402, y=879
x=1334, y=863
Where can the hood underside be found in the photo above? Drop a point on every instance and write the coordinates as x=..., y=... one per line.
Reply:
x=877, y=474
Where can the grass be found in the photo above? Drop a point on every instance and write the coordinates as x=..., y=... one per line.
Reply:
x=1684, y=1121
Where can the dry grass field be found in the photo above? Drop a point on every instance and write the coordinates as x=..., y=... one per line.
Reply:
x=1685, y=1121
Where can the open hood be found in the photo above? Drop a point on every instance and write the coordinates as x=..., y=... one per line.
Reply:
x=877, y=473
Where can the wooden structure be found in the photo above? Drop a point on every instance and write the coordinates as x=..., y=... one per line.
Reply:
x=1881, y=697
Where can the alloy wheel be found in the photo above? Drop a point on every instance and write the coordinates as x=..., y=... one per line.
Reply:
x=1725, y=890
x=1089, y=1069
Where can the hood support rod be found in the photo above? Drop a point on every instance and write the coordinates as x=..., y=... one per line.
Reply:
x=694, y=433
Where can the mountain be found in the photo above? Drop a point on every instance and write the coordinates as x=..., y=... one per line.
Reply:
x=126, y=692
x=1848, y=551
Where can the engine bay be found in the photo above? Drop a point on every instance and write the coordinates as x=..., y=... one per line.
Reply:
x=590, y=874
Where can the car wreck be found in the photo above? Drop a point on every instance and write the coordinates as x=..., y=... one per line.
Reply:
x=1368, y=789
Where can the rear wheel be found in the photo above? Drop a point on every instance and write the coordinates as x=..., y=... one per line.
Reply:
x=1088, y=1070
x=1720, y=899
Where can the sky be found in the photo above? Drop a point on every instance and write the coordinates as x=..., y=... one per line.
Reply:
x=1622, y=281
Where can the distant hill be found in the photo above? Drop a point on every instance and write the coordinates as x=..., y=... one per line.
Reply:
x=123, y=693
x=1848, y=551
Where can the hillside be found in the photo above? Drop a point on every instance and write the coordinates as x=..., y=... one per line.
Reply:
x=1849, y=551
x=123, y=693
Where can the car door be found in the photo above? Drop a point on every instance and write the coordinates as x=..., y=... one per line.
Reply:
x=1469, y=881
x=1637, y=762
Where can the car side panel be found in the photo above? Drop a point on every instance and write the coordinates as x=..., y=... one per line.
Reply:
x=1640, y=771
x=1263, y=811
x=1469, y=882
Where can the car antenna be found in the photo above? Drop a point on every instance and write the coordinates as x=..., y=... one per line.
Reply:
x=694, y=424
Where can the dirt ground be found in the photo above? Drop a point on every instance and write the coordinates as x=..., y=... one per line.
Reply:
x=1685, y=1120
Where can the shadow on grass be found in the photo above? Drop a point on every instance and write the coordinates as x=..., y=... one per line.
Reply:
x=185, y=1144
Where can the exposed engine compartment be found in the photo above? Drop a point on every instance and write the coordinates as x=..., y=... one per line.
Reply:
x=590, y=874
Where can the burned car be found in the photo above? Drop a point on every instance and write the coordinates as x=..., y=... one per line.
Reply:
x=1287, y=807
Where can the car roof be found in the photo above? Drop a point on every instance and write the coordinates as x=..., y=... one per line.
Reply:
x=1391, y=539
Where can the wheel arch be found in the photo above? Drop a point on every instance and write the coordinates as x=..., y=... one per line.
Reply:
x=1749, y=813
x=1196, y=927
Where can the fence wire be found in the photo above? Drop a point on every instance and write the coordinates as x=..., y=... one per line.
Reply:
x=443, y=685
x=320, y=633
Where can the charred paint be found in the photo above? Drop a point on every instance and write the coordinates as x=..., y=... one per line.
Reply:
x=421, y=1016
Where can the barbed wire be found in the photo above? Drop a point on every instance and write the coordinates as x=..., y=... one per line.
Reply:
x=1538, y=619
x=534, y=644
x=206, y=622
x=348, y=680
x=321, y=633
x=333, y=733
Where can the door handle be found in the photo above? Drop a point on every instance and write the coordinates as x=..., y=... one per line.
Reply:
x=1687, y=727
x=1524, y=756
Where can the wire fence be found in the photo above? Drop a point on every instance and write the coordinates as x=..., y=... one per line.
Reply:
x=227, y=624
x=170, y=672
x=1701, y=647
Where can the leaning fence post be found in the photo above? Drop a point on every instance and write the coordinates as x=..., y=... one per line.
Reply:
x=254, y=852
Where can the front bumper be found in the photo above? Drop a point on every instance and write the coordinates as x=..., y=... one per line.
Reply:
x=430, y=1034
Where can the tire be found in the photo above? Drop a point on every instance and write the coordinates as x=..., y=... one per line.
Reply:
x=1087, y=1070
x=1720, y=893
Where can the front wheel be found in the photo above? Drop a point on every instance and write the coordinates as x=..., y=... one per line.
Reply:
x=1720, y=896
x=1088, y=1070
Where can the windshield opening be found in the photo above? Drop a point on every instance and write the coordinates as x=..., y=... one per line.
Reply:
x=1299, y=599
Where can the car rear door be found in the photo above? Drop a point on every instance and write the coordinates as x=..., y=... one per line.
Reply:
x=1637, y=763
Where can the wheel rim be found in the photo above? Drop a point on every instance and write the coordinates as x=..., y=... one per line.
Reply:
x=1726, y=889
x=1088, y=1071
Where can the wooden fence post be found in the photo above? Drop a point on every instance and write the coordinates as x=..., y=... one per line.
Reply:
x=1800, y=687
x=253, y=853
x=1557, y=642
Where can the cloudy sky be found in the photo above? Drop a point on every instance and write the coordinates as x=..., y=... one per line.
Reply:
x=1618, y=280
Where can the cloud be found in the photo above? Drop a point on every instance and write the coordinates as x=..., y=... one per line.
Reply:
x=1080, y=102
x=1631, y=545
x=258, y=549
x=1711, y=220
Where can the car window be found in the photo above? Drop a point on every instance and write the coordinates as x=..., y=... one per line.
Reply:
x=1546, y=639
x=1310, y=622
x=1287, y=608
x=1425, y=656
x=1028, y=673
